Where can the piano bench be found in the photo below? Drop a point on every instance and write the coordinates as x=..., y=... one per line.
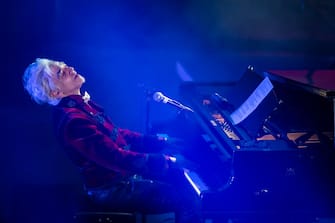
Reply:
x=122, y=217
x=87, y=211
x=107, y=217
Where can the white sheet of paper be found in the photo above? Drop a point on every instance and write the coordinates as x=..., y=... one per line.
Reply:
x=252, y=102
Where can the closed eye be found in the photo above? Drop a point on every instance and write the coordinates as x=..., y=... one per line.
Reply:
x=59, y=73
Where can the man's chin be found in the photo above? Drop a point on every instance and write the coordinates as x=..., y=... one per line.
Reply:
x=83, y=79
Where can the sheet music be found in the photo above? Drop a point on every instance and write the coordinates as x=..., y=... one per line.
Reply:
x=252, y=102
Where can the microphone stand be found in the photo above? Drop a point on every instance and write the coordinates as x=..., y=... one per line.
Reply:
x=147, y=112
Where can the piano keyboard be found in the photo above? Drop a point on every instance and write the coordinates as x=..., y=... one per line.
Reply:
x=195, y=181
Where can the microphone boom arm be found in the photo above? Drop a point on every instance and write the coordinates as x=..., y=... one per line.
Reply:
x=159, y=97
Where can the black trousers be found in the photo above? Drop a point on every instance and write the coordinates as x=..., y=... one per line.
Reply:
x=151, y=196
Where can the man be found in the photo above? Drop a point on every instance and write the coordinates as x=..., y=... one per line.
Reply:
x=121, y=169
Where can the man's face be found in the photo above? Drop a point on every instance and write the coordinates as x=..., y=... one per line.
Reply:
x=66, y=80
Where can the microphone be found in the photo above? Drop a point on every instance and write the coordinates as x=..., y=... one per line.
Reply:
x=160, y=97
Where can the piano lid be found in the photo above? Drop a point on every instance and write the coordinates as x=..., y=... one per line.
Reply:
x=321, y=82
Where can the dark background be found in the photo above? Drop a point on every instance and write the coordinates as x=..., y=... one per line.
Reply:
x=125, y=48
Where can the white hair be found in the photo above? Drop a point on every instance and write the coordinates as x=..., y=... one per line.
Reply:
x=37, y=82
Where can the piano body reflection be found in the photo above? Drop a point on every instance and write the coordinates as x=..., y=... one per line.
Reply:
x=261, y=145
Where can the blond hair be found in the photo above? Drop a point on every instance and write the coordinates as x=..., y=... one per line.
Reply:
x=37, y=81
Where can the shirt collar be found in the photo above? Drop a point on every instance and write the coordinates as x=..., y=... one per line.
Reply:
x=74, y=100
x=86, y=97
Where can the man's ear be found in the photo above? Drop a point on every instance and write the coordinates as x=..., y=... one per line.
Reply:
x=55, y=93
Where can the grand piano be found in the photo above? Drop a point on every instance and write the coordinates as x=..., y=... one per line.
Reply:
x=263, y=147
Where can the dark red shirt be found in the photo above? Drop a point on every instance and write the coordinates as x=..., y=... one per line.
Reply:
x=103, y=152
